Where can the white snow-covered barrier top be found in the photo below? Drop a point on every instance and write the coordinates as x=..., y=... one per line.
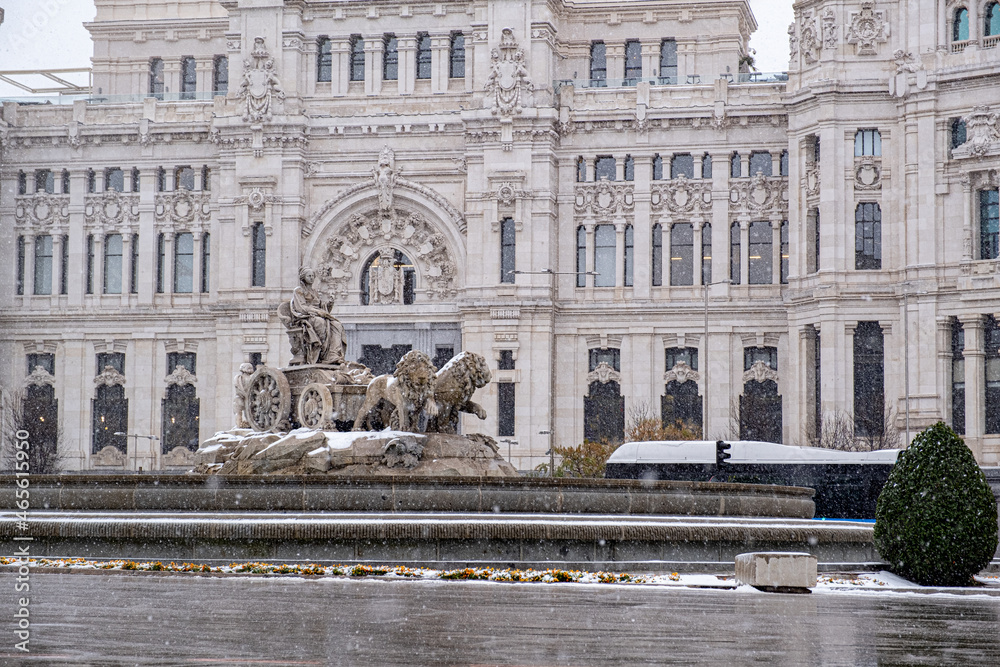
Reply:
x=743, y=451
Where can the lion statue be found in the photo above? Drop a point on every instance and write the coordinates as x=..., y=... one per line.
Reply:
x=454, y=386
x=409, y=391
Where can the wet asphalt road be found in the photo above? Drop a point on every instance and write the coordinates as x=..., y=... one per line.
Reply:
x=119, y=619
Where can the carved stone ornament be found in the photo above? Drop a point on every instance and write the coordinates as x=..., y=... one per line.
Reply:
x=604, y=199
x=812, y=181
x=40, y=378
x=760, y=372
x=42, y=210
x=809, y=39
x=793, y=41
x=980, y=131
x=111, y=209
x=178, y=456
x=761, y=194
x=351, y=243
x=402, y=452
x=508, y=86
x=109, y=377
x=385, y=278
x=867, y=29
x=682, y=195
x=385, y=175
x=681, y=373
x=182, y=207
x=867, y=173
x=109, y=456
x=259, y=84
x=256, y=199
x=905, y=61
x=180, y=377
x=604, y=373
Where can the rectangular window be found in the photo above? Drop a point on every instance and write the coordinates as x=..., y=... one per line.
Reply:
x=611, y=356
x=815, y=147
x=505, y=409
x=760, y=163
x=629, y=277
x=324, y=59
x=581, y=257
x=184, y=178
x=867, y=142
x=113, y=264
x=136, y=183
x=868, y=236
x=258, y=255
x=598, y=65
x=91, y=181
x=657, y=167
x=45, y=181
x=206, y=179
x=784, y=163
x=989, y=224
x=760, y=253
x=423, y=55
x=784, y=252
x=676, y=355
x=668, y=61
x=456, y=60
x=706, y=254
x=357, y=58
x=256, y=359
x=186, y=359
x=20, y=265
x=958, y=133
x=629, y=168
x=604, y=255
x=735, y=166
x=184, y=263
x=958, y=377
x=706, y=166
x=682, y=164
x=22, y=183
x=206, y=259
x=189, y=78
x=508, y=239
x=133, y=283
x=46, y=360
x=65, y=182
x=817, y=387
x=767, y=355
x=682, y=254
x=114, y=179
x=734, y=253
x=869, y=380
x=633, y=62
x=64, y=268
x=390, y=58
x=43, y=265
x=991, y=340
x=114, y=360
x=160, y=262
x=220, y=75
x=161, y=179
x=90, y=263
x=506, y=361
x=605, y=168
x=812, y=221
x=657, y=257
x=581, y=170
x=156, y=78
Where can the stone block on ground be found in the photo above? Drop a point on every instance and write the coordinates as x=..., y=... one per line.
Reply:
x=777, y=571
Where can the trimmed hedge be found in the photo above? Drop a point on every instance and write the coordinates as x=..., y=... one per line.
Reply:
x=936, y=518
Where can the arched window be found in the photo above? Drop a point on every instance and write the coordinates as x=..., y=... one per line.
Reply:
x=991, y=19
x=680, y=401
x=760, y=404
x=604, y=405
x=388, y=282
x=960, y=26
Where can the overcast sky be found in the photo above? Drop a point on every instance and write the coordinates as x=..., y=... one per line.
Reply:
x=48, y=34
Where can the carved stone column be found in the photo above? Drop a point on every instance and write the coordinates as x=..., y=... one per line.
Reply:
x=975, y=378
x=590, y=254
x=407, y=69
x=968, y=215
x=440, y=61
x=340, y=66
x=373, y=64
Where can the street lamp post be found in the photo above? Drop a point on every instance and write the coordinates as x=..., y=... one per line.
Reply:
x=135, y=442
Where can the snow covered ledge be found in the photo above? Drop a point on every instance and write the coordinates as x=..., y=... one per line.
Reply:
x=777, y=571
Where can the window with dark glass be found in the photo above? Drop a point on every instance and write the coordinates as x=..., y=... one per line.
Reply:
x=113, y=264
x=259, y=250
x=180, y=408
x=681, y=402
x=110, y=407
x=45, y=181
x=581, y=257
x=357, y=58
x=508, y=240
x=91, y=181
x=156, y=78
x=734, y=253
x=456, y=56
x=668, y=61
x=682, y=254
x=611, y=356
x=90, y=264
x=183, y=263
x=423, y=55
x=633, y=61
x=958, y=136
x=706, y=166
x=160, y=262
x=817, y=380
x=324, y=59
x=759, y=266
x=682, y=164
x=706, y=253
x=22, y=183
x=604, y=168
x=134, y=265
x=869, y=380
x=760, y=403
x=604, y=406
x=812, y=221
x=43, y=265
x=220, y=75
x=629, y=277
x=505, y=409
x=657, y=255
x=958, y=377
x=783, y=165
x=867, y=142
x=960, y=25
x=65, y=182
x=598, y=64
x=604, y=255
x=868, y=236
x=114, y=179
x=206, y=178
x=735, y=166
x=189, y=78
x=784, y=252
x=657, y=167
x=991, y=20
x=20, y=266
x=581, y=170
x=64, y=266
x=135, y=179
x=46, y=360
x=760, y=163
x=161, y=179
x=184, y=178
x=255, y=359
x=506, y=361
x=206, y=260
x=390, y=58
x=991, y=340
x=989, y=224
x=629, y=168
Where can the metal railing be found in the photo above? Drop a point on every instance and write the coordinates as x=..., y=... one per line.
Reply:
x=686, y=80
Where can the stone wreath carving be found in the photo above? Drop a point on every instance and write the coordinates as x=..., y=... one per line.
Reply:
x=681, y=373
x=604, y=199
x=812, y=181
x=604, y=373
x=681, y=195
x=182, y=207
x=868, y=28
x=761, y=194
x=111, y=209
x=760, y=372
x=362, y=235
x=109, y=377
x=180, y=377
x=256, y=199
x=809, y=39
x=42, y=210
x=508, y=86
x=259, y=84
x=40, y=378
x=867, y=173
x=829, y=29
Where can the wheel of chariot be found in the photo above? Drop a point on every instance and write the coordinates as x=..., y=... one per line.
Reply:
x=269, y=400
x=315, y=406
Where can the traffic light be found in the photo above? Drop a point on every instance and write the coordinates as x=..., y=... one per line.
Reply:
x=722, y=454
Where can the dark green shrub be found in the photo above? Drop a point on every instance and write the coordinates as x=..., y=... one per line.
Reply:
x=936, y=519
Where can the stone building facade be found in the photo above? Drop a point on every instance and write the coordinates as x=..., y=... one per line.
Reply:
x=601, y=198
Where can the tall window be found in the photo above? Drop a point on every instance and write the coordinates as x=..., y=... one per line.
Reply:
x=134, y=177
x=581, y=256
x=598, y=64
x=958, y=377
x=505, y=409
x=735, y=166
x=161, y=179
x=581, y=170
x=682, y=164
x=258, y=255
x=657, y=167
x=991, y=20
x=156, y=78
x=189, y=78
x=65, y=182
x=43, y=264
x=604, y=168
x=960, y=27
x=784, y=252
x=706, y=166
x=989, y=224
x=180, y=407
x=423, y=55
x=604, y=255
x=220, y=75
x=324, y=59
x=110, y=416
x=958, y=134
x=867, y=142
x=113, y=264
x=22, y=183
x=206, y=260
x=759, y=266
x=357, y=58
x=706, y=254
x=91, y=181
x=783, y=164
x=682, y=254
x=206, y=178
x=183, y=263
x=760, y=162
x=134, y=265
x=160, y=261
x=657, y=257
x=868, y=236
x=184, y=178
x=734, y=253
x=680, y=401
x=20, y=265
x=629, y=168
x=991, y=339
x=817, y=382
x=812, y=220
x=604, y=406
x=508, y=239
x=760, y=404
x=456, y=56
x=668, y=61
x=629, y=277
x=45, y=181
x=390, y=58
x=64, y=272
x=114, y=179
x=90, y=264
x=869, y=380
x=633, y=62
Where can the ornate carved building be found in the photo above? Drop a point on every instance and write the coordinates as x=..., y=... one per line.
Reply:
x=599, y=197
